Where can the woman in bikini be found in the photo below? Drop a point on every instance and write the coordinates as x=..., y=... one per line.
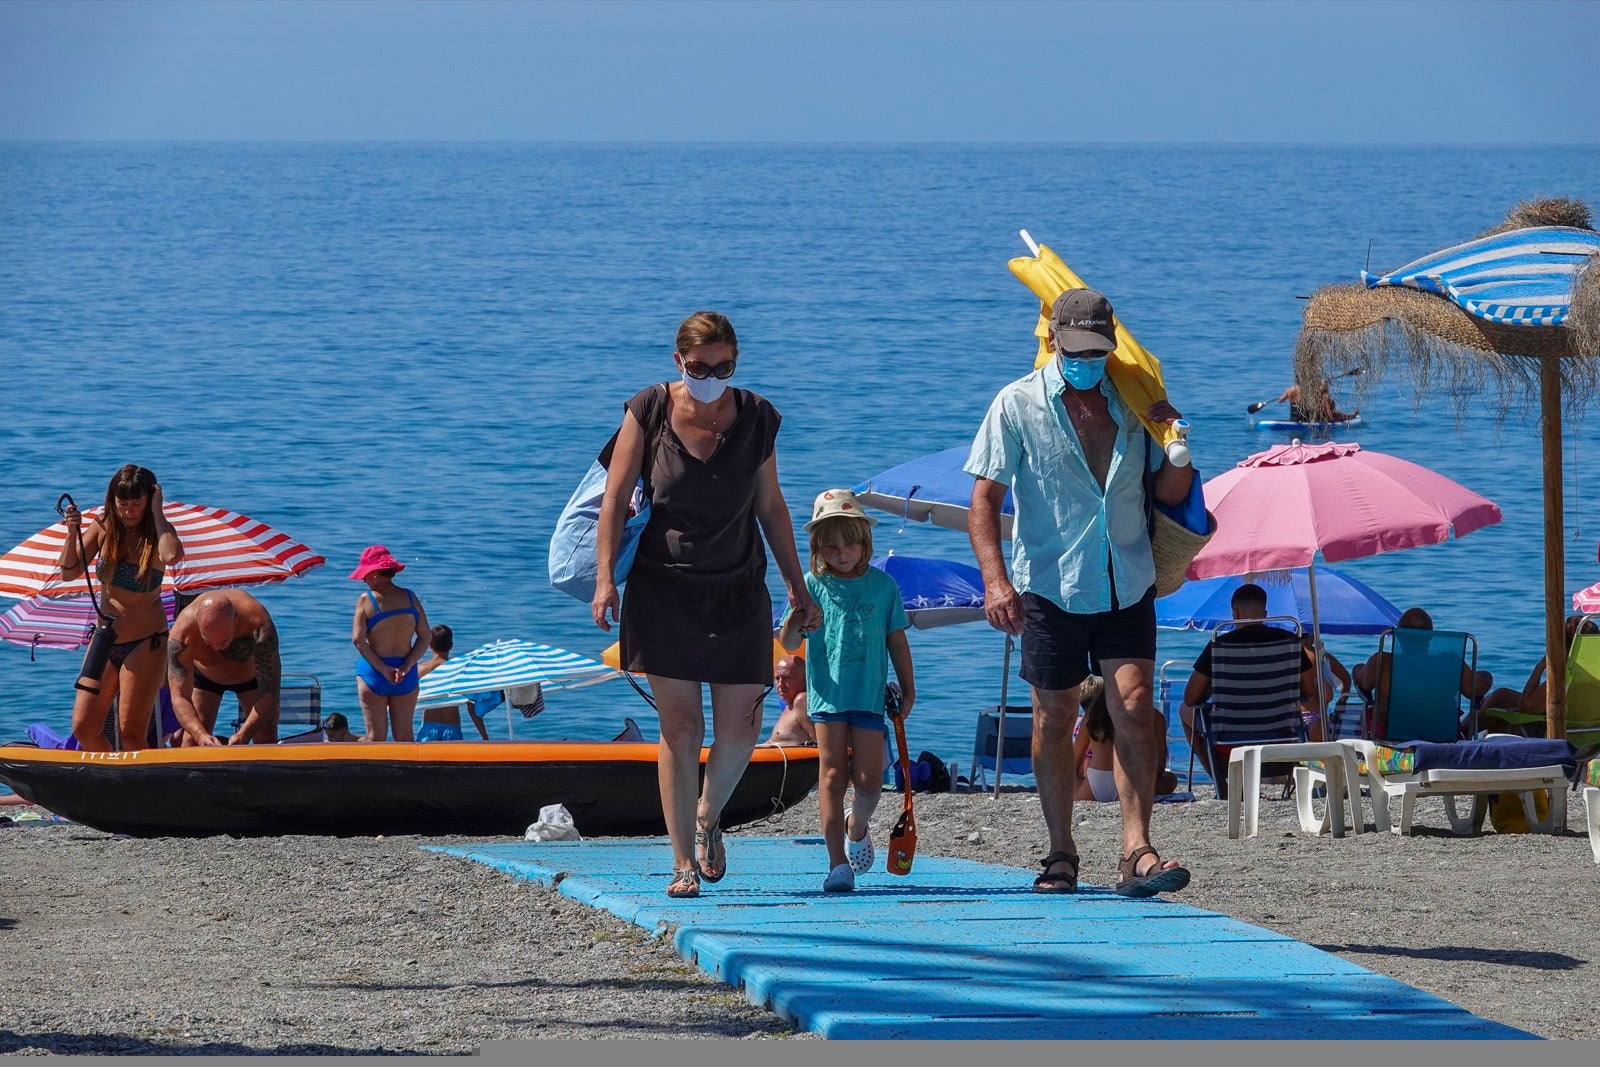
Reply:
x=135, y=544
x=391, y=633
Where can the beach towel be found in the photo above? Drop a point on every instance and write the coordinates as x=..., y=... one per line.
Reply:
x=1486, y=754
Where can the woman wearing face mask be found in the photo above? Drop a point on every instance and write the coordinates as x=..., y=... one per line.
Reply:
x=697, y=611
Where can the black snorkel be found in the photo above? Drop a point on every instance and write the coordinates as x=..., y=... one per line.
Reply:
x=104, y=634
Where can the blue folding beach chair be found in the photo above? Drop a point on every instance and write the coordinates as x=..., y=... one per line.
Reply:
x=1424, y=673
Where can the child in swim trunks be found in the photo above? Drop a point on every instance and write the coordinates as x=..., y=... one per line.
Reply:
x=862, y=632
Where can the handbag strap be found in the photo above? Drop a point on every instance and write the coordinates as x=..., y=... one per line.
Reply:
x=905, y=758
x=1149, y=489
x=654, y=415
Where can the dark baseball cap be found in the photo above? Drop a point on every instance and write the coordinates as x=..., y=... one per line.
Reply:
x=1082, y=321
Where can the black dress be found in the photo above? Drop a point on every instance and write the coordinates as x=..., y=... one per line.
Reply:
x=695, y=605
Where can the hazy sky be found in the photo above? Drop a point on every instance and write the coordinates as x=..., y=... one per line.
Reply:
x=1455, y=72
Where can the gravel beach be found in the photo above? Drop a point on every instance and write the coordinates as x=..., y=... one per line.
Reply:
x=360, y=946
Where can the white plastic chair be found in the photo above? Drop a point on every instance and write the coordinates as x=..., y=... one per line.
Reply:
x=1338, y=774
x=1591, y=807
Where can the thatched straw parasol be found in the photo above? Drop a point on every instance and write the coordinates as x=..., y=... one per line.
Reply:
x=1446, y=349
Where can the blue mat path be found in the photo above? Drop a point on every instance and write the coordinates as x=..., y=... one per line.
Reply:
x=966, y=950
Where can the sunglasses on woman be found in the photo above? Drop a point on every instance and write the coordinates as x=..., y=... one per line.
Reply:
x=699, y=371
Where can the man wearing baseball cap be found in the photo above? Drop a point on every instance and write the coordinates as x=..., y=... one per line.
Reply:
x=1082, y=585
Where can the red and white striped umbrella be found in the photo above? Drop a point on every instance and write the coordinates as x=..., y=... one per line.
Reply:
x=41, y=622
x=221, y=549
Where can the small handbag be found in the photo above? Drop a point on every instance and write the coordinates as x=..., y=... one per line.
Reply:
x=903, y=838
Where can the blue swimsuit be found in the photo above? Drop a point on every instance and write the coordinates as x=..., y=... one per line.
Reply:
x=380, y=684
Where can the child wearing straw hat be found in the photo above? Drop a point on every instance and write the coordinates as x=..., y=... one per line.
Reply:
x=862, y=632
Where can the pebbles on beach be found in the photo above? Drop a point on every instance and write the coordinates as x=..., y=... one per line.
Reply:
x=318, y=945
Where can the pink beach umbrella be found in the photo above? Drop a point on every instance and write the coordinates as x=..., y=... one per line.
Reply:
x=41, y=622
x=1278, y=509
x=1587, y=601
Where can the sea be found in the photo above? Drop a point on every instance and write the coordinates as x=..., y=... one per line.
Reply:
x=424, y=345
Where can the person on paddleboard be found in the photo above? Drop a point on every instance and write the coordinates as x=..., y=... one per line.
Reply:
x=1314, y=407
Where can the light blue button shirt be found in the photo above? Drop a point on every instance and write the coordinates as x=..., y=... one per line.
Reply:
x=1066, y=530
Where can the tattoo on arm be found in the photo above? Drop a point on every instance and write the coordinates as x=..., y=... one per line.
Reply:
x=176, y=671
x=269, y=671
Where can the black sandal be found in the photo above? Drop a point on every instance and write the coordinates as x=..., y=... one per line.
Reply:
x=1159, y=879
x=1053, y=883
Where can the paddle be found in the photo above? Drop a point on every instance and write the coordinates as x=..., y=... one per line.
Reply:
x=903, y=838
x=1259, y=404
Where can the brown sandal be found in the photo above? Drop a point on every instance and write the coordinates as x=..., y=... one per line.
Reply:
x=1053, y=883
x=1159, y=879
x=685, y=882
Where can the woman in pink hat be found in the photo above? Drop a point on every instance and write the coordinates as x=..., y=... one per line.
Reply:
x=391, y=633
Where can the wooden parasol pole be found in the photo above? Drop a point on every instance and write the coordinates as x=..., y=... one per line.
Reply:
x=1555, y=647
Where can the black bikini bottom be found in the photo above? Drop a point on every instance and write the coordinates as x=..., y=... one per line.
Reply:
x=121, y=651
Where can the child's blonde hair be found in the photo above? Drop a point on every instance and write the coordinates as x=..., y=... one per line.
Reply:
x=842, y=530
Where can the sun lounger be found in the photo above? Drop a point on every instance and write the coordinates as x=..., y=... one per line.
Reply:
x=1499, y=763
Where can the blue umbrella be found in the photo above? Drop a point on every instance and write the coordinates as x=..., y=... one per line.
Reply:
x=1344, y=605
x=931, y=488
x=935, y=592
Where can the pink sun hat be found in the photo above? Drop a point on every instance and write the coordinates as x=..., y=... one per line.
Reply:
x=375, y=558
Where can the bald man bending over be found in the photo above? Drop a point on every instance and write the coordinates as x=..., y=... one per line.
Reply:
x=794, y=726
x=225, y=642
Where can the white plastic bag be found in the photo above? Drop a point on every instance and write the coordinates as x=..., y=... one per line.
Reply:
x=555, y=824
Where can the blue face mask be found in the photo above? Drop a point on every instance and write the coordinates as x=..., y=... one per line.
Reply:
x=1083, y=373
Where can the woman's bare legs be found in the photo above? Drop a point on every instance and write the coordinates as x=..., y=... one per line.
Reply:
x=402, y=712
x=374, y=711
x=89, y=713
x=736, y=727
x=683, y=732
x=139, y=682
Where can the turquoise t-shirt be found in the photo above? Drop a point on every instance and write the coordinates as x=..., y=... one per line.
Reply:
x=847, y=659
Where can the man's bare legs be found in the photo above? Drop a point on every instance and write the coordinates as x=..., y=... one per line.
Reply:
x=1129, y=700
x=1055, y=712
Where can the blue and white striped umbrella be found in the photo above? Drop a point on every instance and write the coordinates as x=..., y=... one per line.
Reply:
x=1520, y=277
x=508, y=664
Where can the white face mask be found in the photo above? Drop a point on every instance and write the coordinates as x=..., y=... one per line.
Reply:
x=705, y=390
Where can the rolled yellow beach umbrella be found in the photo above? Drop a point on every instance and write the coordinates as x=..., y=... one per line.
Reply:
x=1133, y=371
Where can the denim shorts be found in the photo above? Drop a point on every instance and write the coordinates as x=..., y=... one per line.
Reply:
x=861, y=720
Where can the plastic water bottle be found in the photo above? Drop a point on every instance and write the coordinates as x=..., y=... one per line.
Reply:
x=1178, y=451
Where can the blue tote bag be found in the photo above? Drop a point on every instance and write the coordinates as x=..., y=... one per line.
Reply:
x=574, y=567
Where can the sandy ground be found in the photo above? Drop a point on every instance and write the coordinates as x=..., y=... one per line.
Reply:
x=360, y=946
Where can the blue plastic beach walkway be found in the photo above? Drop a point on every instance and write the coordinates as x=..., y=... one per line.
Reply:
x=966, y=950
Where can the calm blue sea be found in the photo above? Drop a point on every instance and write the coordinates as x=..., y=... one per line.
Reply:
x=424, y=345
